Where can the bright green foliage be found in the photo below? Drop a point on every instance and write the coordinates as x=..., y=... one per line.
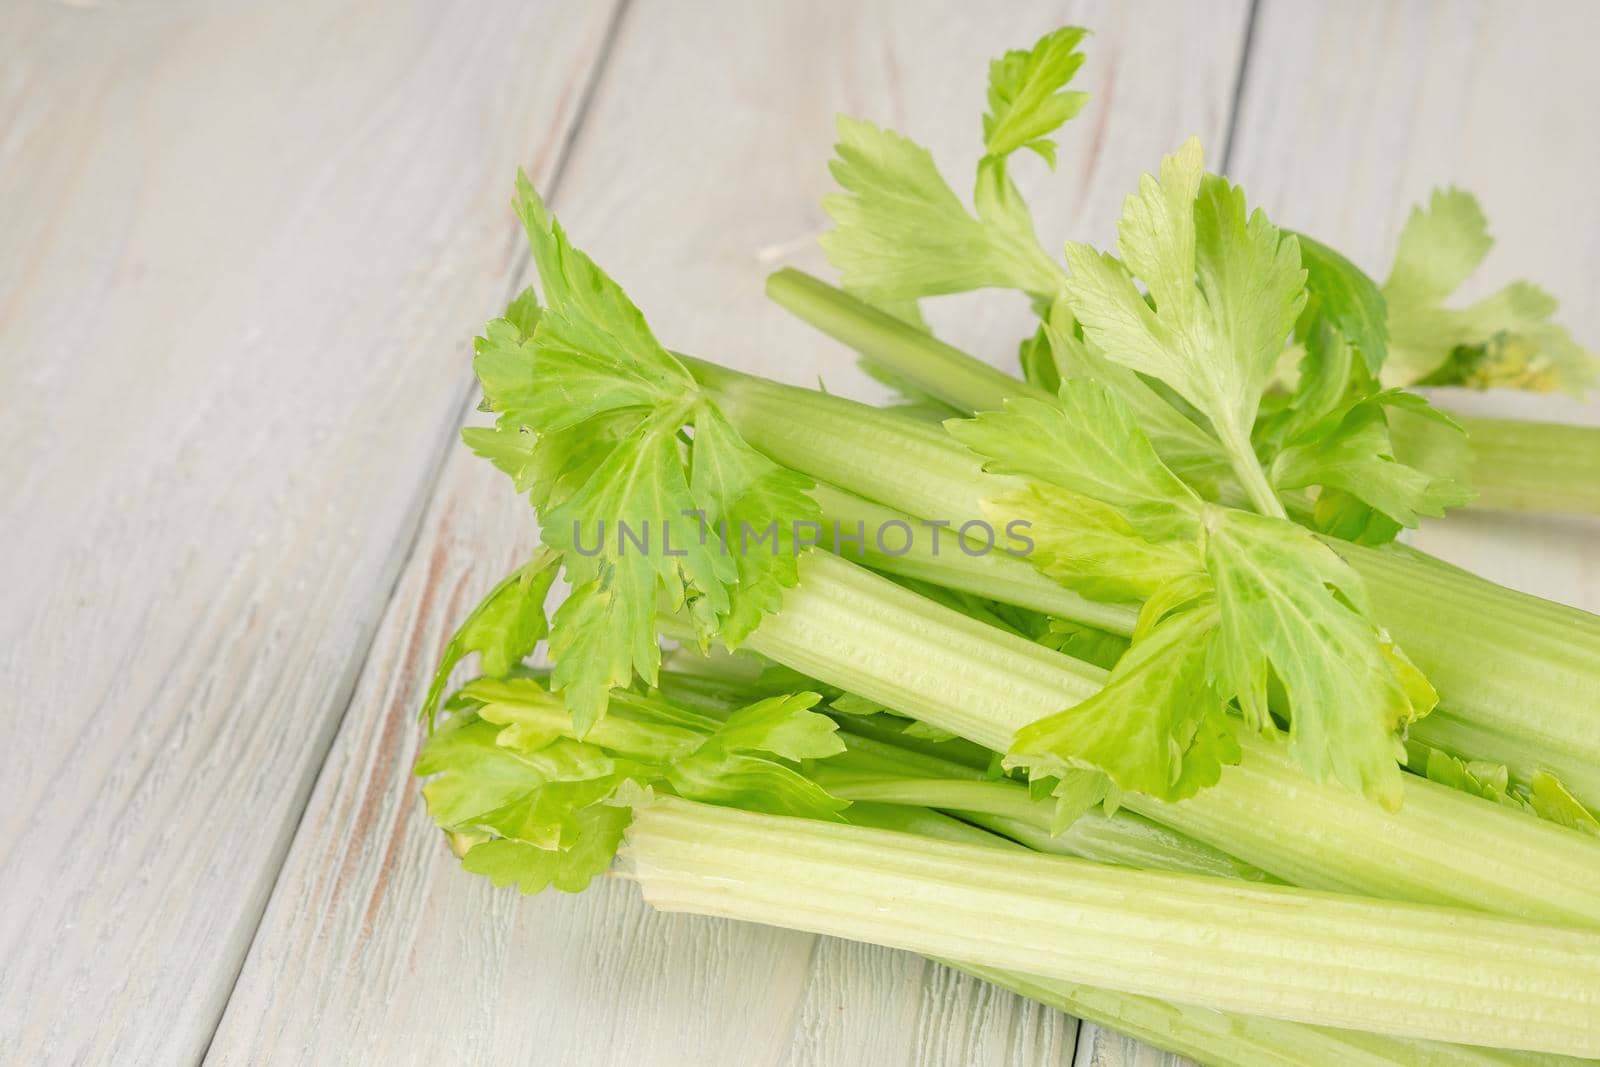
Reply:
x=538, y=807
x=1333, y=431
x=1237, y=607
x=902, y=233
x=503, y=629
x=533, y=869
x=739, y=490
x=1027, y=97
x=1089, y=546
x=1294, y=612
x=1189, y=450
x=1341, y=296
x=640, y=482
x=1095, y=451
x=1550, y=800
x=734, y=766
x=1349, y=449
x=1505, y=339
x=1158, y=726
x=1226, y=290
x=1543, y=795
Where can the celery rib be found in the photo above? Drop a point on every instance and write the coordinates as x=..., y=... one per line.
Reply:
x=848, y=627
x=1400, y=969
x=1500, y=660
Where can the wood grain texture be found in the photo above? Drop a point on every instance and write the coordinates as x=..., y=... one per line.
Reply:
x=699, y=170
x=242, y=252
x=1352, y=112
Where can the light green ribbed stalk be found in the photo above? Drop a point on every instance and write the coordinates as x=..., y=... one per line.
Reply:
x=1400, y=969
x=1224, y=1040
x=913, y=355
x=1521, y=465
x=1504, y=663
x=856, y=630
x=1516, y=674
x=1217, y=1038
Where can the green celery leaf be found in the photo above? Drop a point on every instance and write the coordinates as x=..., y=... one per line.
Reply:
x=783, y=726
x=741, y=764
x=477, y=784
x=538, y=807
x=1340, y=294
x=1106, y=516
x=1084, y=642
x=1551, y=801
x=592, y=350
x=1226, y=289
x=1027, y=101
x=532, y=869
x=1183, y=445
x=1037, y=359
x=1088, y=546
x=604, y=633
x=1334, y=432
x=523, y=312
x=1329, y=375
x=1491, y=781
x=1236, y=606
x=1350, y=450
x=503, y=629
x=1506, y=339
x=1089, y=445
x=1439, y=248
x=1158, y=726
x=1294, y=614
x=631, y=468
x=635, y=726
x=1076, y=790
x=1349, y=518
x=901, y=233
x=1543, y=796
x=755, y=505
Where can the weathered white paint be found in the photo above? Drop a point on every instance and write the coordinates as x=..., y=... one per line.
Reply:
x=242, y=252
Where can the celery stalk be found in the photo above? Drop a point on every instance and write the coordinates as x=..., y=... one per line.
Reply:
x=1213, y=1037
x=936, y=368
x=935, y=555
x=1241, y=1041
x=848, y=627
x=1517, y=465
x=1522, y=465
x=1514, y=672
x=1501, y=661
x=1282, y=953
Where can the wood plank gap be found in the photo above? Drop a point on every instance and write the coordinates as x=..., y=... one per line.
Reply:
x=1240, y=83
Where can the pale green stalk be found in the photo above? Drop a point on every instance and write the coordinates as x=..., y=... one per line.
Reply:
x=1217, y=1038
x=856, y=630
x=1521, y=465
x=1400, y=969
x=1224, y=1040
x=1507, y=666
x=1517, y=465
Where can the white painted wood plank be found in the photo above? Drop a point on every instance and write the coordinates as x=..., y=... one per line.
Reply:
x=242, y=251
x=1352, y=112
x=698, y=171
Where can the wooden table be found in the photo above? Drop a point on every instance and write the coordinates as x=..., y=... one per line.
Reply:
x=243, y=251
